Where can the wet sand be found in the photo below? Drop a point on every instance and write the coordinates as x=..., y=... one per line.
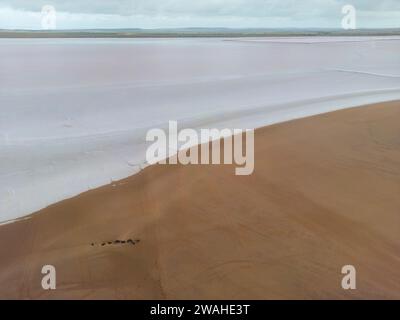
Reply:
x=324, y=194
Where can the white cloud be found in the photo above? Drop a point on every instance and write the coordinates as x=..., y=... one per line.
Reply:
x=81, y=14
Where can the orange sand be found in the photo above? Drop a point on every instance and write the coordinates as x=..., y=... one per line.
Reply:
x=324, y=194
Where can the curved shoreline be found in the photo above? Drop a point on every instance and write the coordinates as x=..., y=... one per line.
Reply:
x=99, y=97
x=275, y=114
x=324, y=194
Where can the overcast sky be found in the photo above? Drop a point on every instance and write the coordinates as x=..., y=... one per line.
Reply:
x=81, y=14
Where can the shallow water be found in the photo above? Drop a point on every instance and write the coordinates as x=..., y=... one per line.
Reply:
x=74, y=112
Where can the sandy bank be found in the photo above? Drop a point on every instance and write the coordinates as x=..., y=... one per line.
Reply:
x=325, y=193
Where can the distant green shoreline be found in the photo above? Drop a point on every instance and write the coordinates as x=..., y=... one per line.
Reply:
x=192, y=33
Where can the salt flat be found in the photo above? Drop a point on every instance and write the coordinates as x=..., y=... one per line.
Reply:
x=74, y=112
